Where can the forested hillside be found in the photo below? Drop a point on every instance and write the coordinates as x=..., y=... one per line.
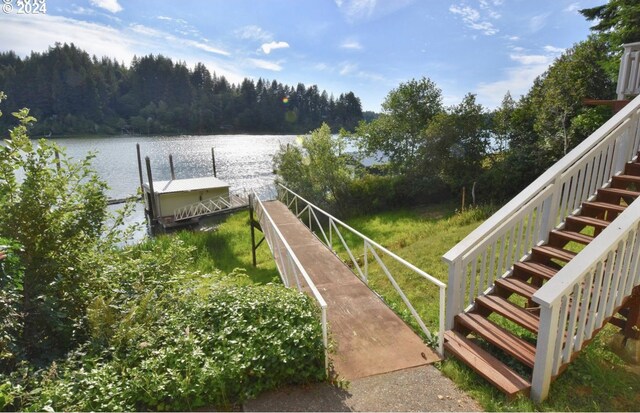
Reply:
x=70, y=92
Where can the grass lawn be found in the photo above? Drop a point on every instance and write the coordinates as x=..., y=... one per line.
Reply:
x=597, y=380
x=226, y=245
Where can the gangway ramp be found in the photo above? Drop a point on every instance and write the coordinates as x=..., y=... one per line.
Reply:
x=369, y=337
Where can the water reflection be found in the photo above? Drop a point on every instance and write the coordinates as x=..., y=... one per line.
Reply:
x=244, y=161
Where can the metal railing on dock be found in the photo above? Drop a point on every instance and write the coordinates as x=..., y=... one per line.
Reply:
x=292, y=200
x=291, y=270
x=210, y=206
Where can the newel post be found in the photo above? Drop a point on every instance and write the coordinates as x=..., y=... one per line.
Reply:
x=454, y=292
x=545, y=352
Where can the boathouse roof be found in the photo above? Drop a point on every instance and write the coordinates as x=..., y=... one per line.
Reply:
x=187, y=185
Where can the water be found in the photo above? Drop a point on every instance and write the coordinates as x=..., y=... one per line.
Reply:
x=244, y=161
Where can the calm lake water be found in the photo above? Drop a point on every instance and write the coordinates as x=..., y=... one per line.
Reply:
x=244, y=161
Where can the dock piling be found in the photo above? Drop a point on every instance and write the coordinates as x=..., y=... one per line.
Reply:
x=173, y=172
x=152, y=203
x=140, y=168
x=213, y=160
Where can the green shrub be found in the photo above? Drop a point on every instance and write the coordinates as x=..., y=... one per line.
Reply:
x=192, y=350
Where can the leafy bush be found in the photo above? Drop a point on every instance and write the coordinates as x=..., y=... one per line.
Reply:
x=55, y=208
x=10, y=318
x=86, y=324
x=191, y=350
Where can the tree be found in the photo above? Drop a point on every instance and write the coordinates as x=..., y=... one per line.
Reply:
x=317, y=169
x=57, y=212
x=618, y=21
x=457, y=142
x=397, y=133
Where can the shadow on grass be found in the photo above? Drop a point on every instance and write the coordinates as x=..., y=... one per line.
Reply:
x=226, y=245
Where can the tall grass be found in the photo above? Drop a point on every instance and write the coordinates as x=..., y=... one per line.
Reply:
x=598, y=380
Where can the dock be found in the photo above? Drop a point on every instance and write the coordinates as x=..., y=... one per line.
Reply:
x=370, y=338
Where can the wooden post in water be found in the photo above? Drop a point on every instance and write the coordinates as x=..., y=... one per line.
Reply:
x=213, y=161
x=253, y=231
x=173, y=172
x=152, y=202
x=57, y=160
x=140, y=169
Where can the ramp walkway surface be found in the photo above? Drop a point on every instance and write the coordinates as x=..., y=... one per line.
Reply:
x=369, y=337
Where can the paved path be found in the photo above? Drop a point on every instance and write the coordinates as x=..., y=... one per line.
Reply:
x=417, y=389
x=370, y=338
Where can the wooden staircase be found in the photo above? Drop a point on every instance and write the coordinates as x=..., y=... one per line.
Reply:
x=497, y=336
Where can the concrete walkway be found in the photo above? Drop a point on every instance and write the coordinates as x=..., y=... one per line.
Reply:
x=421, y=388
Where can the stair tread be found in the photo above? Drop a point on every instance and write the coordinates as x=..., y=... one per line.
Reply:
x=536, y=268
x=632, y=168
x=594, y=222
x=500, y=337
x=624, y=177
x=517, y=286
x=554, y=252
x=485, y=364
x=572, y=236
x=618, y=191
x=604, y=205
x=510, y=311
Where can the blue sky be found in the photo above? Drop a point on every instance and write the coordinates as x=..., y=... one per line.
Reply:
x=486, y=47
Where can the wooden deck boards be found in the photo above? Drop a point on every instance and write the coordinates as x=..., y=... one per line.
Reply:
x=370, y=338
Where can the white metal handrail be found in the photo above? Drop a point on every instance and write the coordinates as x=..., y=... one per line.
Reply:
x=489, y=252
x=584, y=294
x=209, y=206
x=291, y=270
x=290, y=199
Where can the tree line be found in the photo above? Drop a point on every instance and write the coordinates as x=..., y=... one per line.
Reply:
x=70, y=92
x=430, y=152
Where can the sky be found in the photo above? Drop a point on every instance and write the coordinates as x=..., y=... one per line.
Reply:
x=369, y=47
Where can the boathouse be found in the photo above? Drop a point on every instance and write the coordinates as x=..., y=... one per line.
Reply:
x=165, y=197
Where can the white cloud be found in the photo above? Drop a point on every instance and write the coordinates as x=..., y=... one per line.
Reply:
x=363, y=10
x=352, y=69
x=254, y=33
x=553, y=49
x=151, y=32
x=206, y=47
x=474, y=20
x=268, y=47
x=82, y=11
x=519, y=78
x=39, y=32
x=265, y=64
x=572, y=8
x=171, y=19
x=348, y=68
x=351, y=44
x=532, y=59
x=356, y=9
x=538, y=22
x=110, y=5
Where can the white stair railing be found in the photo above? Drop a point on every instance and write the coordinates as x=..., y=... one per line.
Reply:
x=332, y=228
x=584, y=294
x=629, y=75
x=291, y=271
x=489, y=252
